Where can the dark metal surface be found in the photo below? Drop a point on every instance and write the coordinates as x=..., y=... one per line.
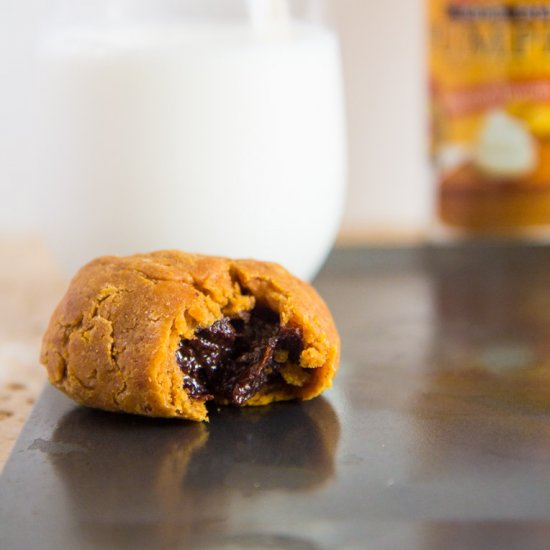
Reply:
x=436, y=434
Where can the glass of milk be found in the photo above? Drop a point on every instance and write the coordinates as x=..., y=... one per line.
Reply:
x=210, y=126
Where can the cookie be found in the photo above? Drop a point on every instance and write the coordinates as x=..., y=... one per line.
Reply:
x=162, y=334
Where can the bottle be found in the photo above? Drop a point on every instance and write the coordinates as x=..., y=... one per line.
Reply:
x=490, y=115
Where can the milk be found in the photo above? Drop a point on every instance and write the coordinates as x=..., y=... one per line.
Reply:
x=202, y=136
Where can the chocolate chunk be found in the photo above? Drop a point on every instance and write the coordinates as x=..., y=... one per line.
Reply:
x=199, y=357
x=233, y=359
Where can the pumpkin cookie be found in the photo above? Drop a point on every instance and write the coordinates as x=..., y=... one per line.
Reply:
x=161, y=334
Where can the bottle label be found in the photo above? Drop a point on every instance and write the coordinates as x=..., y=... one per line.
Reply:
x=490, y=90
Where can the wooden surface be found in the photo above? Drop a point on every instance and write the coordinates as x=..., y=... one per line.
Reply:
x=30, y=285
x=436, y=434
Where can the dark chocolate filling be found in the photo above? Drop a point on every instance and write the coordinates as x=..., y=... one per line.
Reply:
x=236, y=357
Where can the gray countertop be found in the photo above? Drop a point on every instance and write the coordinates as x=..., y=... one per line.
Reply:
x=436, y=433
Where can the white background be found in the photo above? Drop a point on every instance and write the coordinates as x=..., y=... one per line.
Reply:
x=383, y=54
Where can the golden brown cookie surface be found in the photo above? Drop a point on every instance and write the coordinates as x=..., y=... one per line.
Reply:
x=160, y=334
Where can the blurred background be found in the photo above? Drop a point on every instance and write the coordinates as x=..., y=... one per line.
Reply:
x=383, y=50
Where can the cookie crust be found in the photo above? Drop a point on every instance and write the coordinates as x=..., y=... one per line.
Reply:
x=112, y=340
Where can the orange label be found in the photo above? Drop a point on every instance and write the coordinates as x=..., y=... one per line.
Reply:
x=490, y=86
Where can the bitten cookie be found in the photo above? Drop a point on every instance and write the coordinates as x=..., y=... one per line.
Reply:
x=161, y=334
